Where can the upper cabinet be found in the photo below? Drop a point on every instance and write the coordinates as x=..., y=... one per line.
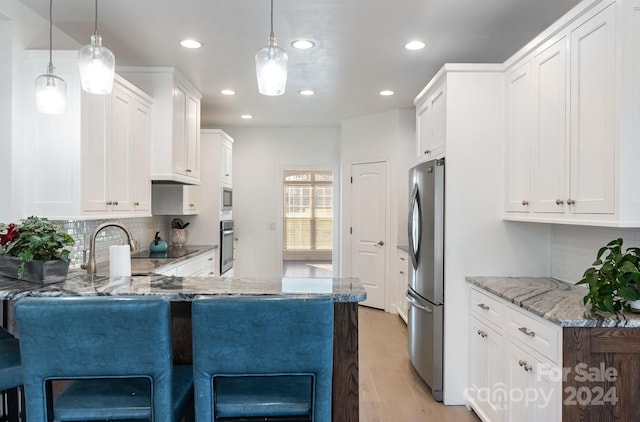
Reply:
x=572, y=98
x=431, y=121
x=176, y=123
x=92, y=161
x=226, y=159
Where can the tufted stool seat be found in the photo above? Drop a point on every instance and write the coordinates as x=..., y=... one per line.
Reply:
x=262, y=358
x=114, y=353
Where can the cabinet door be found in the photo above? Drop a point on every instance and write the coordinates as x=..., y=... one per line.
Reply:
x=192, y=136
x=403, y=282
x=593, y=140
x=120, y=150
x=179, y=129
x=488, y=390
x=534, y=387
x=519, y=108
x=141, y=168
x=95, y=152
x=550, y=143
x=431, y=126
x=191, y=198
x=226, y=165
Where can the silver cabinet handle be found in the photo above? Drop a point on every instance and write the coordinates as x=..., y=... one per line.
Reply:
x=188, y=170
x=525, y=365
x=192, y=205
x=401, y=272
x=109, y=202
x=559, y=202
x=526, y=331
x=136, y=203
x=525, y=202
x=483, y=306
x=571, y=201
x=413, y=302
x=482, y=333
x=427, y=151
x=380, y=243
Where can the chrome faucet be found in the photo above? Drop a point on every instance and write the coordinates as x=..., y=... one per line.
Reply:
x=90, y=265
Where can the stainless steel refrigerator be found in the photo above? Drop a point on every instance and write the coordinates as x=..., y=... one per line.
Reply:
x=425, y=293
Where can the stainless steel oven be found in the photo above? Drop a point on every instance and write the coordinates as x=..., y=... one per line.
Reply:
x=226, y=246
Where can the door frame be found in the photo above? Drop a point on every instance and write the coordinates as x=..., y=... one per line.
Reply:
x=337, y=217
x=346, y=223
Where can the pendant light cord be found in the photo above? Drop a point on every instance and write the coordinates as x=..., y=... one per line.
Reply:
x=95, y=28
x=271, y=18
x=50, y=33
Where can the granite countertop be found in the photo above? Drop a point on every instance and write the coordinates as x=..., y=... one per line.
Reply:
x=184, y=289
x=145, y=262
x=553, y=300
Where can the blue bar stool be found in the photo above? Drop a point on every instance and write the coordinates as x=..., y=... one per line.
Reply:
x=116, y=352
x=10, y=374
x=262, y=357
x=4, y=334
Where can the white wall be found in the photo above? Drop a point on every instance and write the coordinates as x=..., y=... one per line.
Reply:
x=20, y=29
x=389, y=137
x=259, y=157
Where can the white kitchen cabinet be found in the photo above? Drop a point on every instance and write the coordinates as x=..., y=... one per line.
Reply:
x=514, y=362
x=519, y=109
x=226, y=165
x=202, y=265
x=91, y=161
x=175, y=199
x=431, y=121
x=402, y=283
x=583, y=131
x=115, y=169
x=176, y=123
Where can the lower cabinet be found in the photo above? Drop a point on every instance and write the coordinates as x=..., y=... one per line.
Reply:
x=514, y=364
x=402, y=283
x=199, y=266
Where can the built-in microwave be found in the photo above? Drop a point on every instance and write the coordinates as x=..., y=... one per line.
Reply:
x=227, y=199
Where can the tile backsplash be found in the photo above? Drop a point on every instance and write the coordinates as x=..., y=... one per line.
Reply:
x=574, y=248
x=143, y=230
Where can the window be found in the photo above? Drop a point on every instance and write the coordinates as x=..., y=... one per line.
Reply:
x=308, y=211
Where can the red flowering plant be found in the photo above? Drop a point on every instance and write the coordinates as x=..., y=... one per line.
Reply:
x=35, y=239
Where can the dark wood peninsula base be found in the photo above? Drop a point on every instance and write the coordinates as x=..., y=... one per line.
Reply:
x=345, y=400
x=606, y=387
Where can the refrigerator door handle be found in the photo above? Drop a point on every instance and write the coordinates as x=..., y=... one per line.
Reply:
x=412, y=301
x=415, y=226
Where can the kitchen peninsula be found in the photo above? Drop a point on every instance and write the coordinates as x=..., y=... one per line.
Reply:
x=346, y=294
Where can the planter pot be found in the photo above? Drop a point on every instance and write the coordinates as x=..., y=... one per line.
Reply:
x=43, y=272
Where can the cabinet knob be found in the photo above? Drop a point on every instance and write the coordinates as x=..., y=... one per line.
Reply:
x=559, y=202
x=109, y=202
x=482, y=333
x=401, y=272
x=525, y=202
x=571, y=201
x=226, y=174
x=192, y=205
x=115, y=203
x=522, y=362
x=188, y=170
x=427, y=151
x=136, y=203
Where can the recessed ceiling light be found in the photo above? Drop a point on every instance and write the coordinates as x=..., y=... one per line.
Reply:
x=414, y=45
x=190, y=44
x=246, y=116
x=228, y=92
x=386, y=92
x=306, y=92
x=302, y=44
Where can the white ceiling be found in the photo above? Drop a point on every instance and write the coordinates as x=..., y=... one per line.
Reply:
x=359, y=47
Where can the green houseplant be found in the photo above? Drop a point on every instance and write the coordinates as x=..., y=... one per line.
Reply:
x=38, y=241
x=614, y=279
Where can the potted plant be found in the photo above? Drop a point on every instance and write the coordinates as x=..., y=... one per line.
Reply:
x=34, y=250
x=614, y=279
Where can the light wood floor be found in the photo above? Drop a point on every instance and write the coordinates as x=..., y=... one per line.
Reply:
x=390, y=390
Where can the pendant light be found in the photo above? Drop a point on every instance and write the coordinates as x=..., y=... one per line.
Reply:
x=271, y=66
x=51, y=90
x=97, y=64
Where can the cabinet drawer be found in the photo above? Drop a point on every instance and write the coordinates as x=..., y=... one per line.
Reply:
x=209, y=264
x=533, y=331
x=190, y=268
x=486, y=308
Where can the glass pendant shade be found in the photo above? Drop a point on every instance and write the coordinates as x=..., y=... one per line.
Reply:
x=51, y=92
x=271, y=69
x=97, y=67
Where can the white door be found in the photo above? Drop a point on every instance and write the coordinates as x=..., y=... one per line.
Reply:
x=368, y=224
